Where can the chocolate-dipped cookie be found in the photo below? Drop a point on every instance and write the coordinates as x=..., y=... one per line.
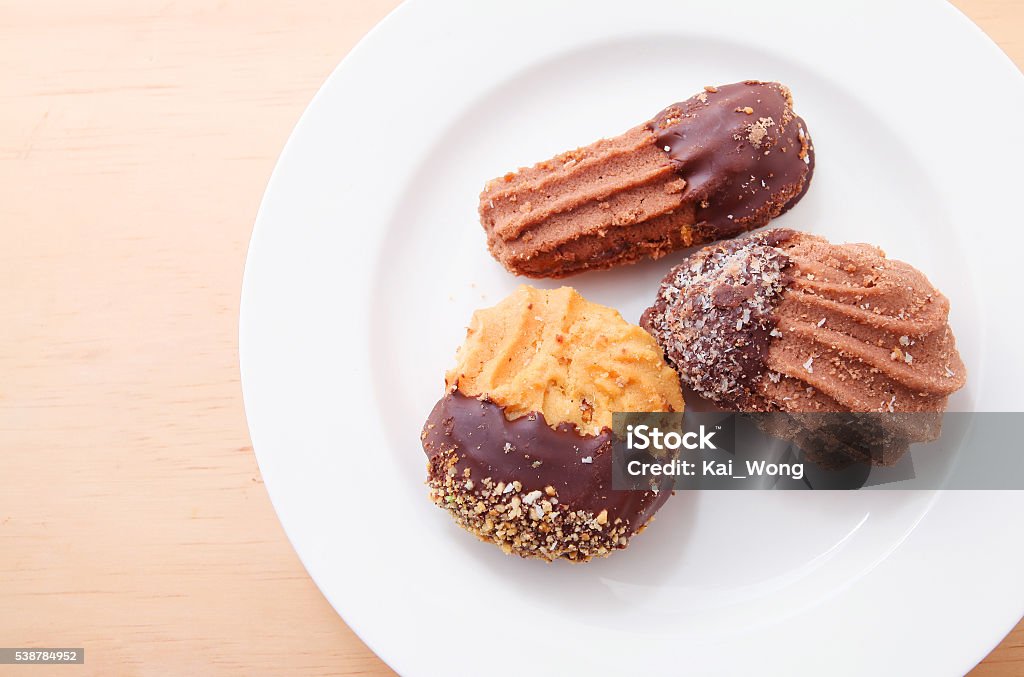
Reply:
x=782, y=321
x=520, y=447
x=723, y=162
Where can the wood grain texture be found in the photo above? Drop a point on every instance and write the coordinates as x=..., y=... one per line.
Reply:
x=136, y=138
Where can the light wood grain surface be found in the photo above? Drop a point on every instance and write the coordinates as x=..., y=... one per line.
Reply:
x=136, y=138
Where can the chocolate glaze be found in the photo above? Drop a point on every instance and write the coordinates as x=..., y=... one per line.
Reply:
x=713, y=314
x=527, y=449
x=741, y=168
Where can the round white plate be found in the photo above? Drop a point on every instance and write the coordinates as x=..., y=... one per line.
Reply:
x=367, y=261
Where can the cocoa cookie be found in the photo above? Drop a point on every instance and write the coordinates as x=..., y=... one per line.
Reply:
x=723, y=162
x=782, y=321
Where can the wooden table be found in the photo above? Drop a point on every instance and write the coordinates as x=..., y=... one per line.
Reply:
x=136, y=138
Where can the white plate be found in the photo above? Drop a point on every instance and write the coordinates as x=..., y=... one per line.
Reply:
x=367, y=261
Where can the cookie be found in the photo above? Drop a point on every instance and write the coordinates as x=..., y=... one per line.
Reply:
x=520, y=446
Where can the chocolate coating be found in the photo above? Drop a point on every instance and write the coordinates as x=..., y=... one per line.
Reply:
x=713, y=314
x=745, y=156
x=492, y=473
